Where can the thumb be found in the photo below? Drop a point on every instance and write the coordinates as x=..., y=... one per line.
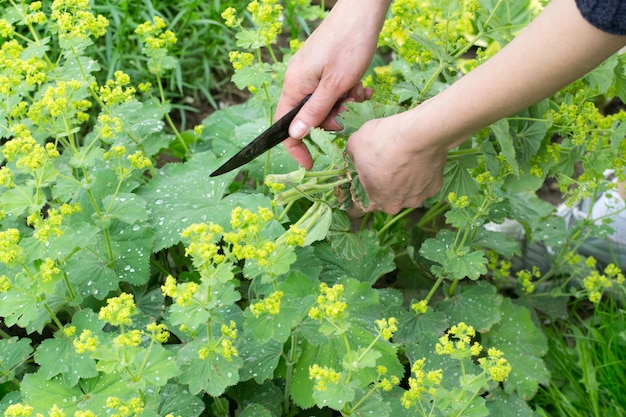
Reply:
x=314, y=112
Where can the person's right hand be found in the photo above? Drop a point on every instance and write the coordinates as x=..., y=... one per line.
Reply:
x=329, y=66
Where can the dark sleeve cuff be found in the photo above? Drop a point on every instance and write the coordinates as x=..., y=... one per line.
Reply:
x=607, y=15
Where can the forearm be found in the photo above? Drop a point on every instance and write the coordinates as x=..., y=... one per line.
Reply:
x=558, y=47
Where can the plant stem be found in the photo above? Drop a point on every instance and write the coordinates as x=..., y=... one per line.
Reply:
x=290, y=362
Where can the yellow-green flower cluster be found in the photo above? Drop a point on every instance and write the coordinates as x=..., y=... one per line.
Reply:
x=26, y=152
x=230, y=17
x=181, y=293
x=6, y=177
x=267, y=14
x=6, y=29
x=23, y=410
x=578, y=120
x=158, y=332
x=119, y=310
x=5, y=284
x=202, y=246
x=119, y=408
x=15, y=69
x=10, y=251
x=457, y=342
x=500, y=268
x=245, y=241
x=48, y=269
x=440, y=21
x=50, y=226
x=109, y=126
x=64, y=99
x=386, y=383
x=154, y=35
x=117, y=91
x=268, y=305
x=86, y=342
x=496, y=366
x=329, y=304
x=387, y=327
x=596, y=283
x=131, y=338
x=422, y=382
x=223, y=346
x=420, y=307
x=75, y=20
x=525, y=279
x=458, y=201
x=323, y=376
x=240, y=60
x=18, y=410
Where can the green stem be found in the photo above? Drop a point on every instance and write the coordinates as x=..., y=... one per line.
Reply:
x=4, y=334
x=395, y=219
x=168, y=119
x=291, y=361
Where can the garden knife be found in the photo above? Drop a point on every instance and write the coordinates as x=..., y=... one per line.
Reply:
x=274, y=135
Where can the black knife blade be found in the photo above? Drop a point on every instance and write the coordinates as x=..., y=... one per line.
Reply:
x=271, y=137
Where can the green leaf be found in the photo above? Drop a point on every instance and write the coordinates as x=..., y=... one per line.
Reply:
x=523, y=345
x=91, y=394
x=499, y=242
x=251, y=76
x=126, y=207
x=59, y=357
x=256, y=410
x=345, y=244
x=507, y=405
x=476, y=305
x=212, y=375
x=26, y=309
x=500, y=130
x=324, y=141
x=278, y=327
x=20, y=199
x=457, y=263
x=183, y=194
x=155, y=366
x=13, y=353
x=132, y=248
x=374, y=263
x=177, y=400
x=317, y=223
x=208, y=300
x=457, y=178
x=359, y=113
x=249, y=396
x=90, y=274
x=470, y=264
x=337, y=395
x=260, y=360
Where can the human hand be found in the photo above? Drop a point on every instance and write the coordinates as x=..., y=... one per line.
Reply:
x=398, y=165
x=329, y=66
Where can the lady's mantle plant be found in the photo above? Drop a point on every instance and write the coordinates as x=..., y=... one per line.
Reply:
x=132, y=290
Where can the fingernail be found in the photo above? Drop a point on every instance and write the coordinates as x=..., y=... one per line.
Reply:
x=298, y=129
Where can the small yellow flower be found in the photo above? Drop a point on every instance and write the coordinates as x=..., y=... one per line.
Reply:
x=323, y=376
x=118, y=310
x=86, y=342
x=230, y=17
x=496, y=366
x=387, y=327
x=421, y=307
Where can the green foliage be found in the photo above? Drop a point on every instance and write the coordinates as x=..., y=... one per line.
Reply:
x=133, y=289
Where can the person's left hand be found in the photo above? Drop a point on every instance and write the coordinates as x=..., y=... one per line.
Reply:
x=399, y=165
